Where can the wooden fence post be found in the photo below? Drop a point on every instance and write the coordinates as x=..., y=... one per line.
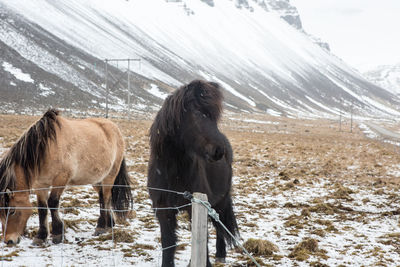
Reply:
x=199, y=232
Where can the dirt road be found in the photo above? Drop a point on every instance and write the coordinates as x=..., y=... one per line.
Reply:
x=385, y=133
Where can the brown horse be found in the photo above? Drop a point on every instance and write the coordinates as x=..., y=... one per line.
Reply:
x=55, y=152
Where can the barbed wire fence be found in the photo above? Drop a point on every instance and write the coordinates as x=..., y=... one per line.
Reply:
x=211, y=212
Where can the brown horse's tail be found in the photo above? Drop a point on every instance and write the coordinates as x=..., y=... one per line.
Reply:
x=121, y=196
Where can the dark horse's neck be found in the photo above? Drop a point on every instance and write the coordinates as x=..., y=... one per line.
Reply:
x=186, y=171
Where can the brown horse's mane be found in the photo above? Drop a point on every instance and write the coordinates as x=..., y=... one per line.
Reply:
x=197, y=95
x=28, y=153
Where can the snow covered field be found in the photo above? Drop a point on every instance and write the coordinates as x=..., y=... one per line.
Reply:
x=294, y=180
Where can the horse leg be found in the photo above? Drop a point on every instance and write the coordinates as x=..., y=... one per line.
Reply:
x=42, y=234
x=57, y=225
x=105, y=220
x=167, y=220
x=227, y=217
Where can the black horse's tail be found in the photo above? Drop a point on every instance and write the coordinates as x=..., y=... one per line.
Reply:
x=121, y=196
x=227, y=217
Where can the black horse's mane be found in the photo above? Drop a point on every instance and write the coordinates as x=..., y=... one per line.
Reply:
x=28, y=153
x=203, y=96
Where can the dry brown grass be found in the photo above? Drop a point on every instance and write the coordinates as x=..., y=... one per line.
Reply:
x=119, y=235
x=272, y=160
x=260, y=148
x=260, y=247
x=297, y=154
x=304, y=249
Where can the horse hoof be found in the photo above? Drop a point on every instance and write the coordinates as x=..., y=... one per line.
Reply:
x=220, y=260
x=100, y=231
x=57, y=239
x=38, y=242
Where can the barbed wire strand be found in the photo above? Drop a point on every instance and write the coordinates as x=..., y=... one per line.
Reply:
x=64, y=187
x=29, y=256
x=125, y=210
x=77, y=207
x=172, y=246
x=32, y=190
x=173, y=208
x=166, y=190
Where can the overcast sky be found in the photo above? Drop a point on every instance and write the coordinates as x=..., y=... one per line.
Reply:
x=364, y=33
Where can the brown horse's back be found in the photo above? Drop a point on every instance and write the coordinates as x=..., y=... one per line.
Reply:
x=85, y=152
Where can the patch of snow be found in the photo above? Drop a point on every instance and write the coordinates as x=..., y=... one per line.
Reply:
x=321, y=105
x=227, y=87
x=18, y=74
x=353, y=167
x=154, y=90
x=229, y=105
x=45, y=91
x=367, y=131
x=381, y=106
x=234, y=92
x=395, y=171
x=255, y=121
x=273, y=112
x=141, y=106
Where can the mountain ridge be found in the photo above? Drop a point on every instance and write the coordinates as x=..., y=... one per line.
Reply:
x=282, y=72
x=386, y=76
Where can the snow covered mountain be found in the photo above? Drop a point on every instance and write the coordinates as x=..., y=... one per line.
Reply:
x=287, y=12
x=387, y=77
x=283, y=8
x=52, y=51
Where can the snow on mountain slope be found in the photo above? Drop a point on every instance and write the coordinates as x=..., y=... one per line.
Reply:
x=56, y=73
x=263, y=63
x=388, y=77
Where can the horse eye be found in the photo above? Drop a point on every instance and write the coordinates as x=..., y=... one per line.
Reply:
x=205, y=115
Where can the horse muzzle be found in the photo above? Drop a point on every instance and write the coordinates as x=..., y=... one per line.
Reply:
x=12, y=241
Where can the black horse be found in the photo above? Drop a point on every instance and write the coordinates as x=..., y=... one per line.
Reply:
x=189, y=153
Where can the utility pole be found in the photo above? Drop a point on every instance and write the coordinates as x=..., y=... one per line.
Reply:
x=340, y=116
x=129, y=91
x=117, y=60
x=106, y=88
x=351, y=117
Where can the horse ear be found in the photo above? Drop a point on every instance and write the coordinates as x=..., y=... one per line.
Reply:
x=9, y=193
x=195, y=85
x=214, y=84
